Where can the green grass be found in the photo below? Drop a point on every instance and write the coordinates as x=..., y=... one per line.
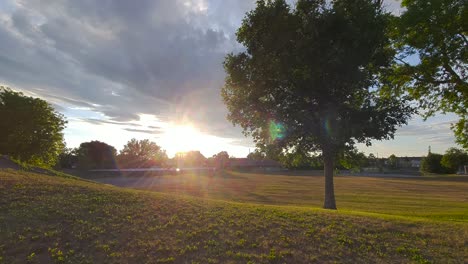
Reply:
x=50, y=219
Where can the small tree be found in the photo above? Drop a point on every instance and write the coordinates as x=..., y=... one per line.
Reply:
x=372, y=160
x=453, y=159
x=393, y=161
x=309, y=78
x=30, y=129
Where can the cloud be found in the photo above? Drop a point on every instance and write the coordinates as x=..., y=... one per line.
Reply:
x=145, y=131
x=436, y=130
x=96, y=121
x=426, y=129
x=121, y=60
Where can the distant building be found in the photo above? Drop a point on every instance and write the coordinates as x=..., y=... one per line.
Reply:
x=406, y=162
x=416, y=163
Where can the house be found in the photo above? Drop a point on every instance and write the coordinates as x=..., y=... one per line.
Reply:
x=409, y=162
x=416, y=163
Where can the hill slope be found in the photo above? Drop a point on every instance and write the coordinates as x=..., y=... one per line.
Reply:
x=46, y=219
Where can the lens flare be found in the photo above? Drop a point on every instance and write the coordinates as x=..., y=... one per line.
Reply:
x=327, y=126
x=276, y=130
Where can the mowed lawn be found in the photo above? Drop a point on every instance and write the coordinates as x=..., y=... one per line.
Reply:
x=435, y=198
x=51, y=219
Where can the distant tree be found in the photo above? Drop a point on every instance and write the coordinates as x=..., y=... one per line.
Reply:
x=96, y=155
x=432, y=40
x=221, y=159
x=453, y=159
x=354, y=160
x=265, y=151
x=432, y=163
x=256, y=155
x=30, y=129
x=393, y=161
x=372, y=160
x=309, y=78
x=68, y=158
x=298, y=159
x=141, y=154
x=190, y=159
x=221, y=155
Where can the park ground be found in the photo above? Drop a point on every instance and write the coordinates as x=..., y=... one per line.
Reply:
x=231, y=217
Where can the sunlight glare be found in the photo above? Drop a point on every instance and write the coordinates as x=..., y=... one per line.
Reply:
x=180, y=138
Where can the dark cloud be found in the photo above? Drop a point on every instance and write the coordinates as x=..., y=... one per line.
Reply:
x=124, y=59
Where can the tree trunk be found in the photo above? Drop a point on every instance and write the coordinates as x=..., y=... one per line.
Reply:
x=328, y=163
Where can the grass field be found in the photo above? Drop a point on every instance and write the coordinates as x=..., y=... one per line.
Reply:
x=435, y=198
x=47, y=219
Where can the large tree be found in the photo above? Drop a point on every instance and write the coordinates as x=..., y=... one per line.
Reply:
x=142, y=154
x=30, y=129
x=96, y=155
x=432, y=39
x=309, y=78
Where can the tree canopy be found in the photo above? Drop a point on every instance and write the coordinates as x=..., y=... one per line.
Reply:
x=30, y=129
x=393, y=161
x=431, y=163
x=309, y=78
x=431, y=37
x=454, y=159
x=354, y=160
x=141, y=154
x=192, y=158
x=96, y=155
x=256, y=155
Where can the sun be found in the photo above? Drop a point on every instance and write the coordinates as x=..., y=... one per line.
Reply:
x=180, y=138
x=185, y=137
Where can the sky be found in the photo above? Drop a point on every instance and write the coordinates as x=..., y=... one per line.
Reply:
x=119, y=70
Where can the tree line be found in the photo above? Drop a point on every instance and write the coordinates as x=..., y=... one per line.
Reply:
x=356, y=161
x=99, y=155
x=135, y=154
x=451, y=162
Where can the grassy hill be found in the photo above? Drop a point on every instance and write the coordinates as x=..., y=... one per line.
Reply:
x=46, y=219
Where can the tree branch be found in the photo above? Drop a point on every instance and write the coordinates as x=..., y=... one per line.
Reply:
x=463, y=37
